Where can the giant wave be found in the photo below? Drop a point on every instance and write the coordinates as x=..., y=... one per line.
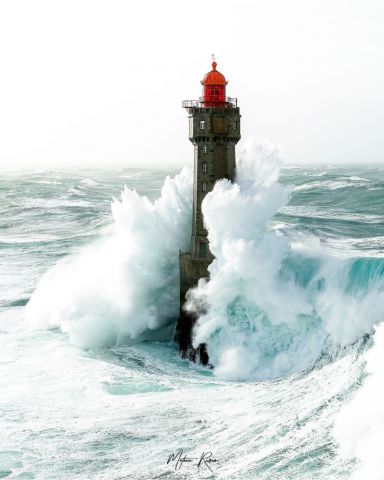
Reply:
x=272, y=306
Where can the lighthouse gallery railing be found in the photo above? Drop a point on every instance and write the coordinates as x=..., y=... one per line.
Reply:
x=229, y=102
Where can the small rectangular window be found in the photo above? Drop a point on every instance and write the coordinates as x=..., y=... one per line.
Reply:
x=234, y=125
x=205, y=148
x=203, y=249
x=205, y=169
x=204, y=187
x=202, y=125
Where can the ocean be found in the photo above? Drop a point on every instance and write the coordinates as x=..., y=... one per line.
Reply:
x=91, y=383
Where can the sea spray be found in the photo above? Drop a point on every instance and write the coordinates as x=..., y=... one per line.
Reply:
x=125, y=285
x=255, y=325
x=271, y=308
x=273, y=305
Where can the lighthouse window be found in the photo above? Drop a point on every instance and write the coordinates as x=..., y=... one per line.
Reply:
x=203, y=250
x=204, y=187
x=202, y=125
x=205, y=148
x=205, y=169
x=235, y=125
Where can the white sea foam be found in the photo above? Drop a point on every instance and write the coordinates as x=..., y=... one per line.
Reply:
x=359, y=428
x=89, y=182
x=328, y=184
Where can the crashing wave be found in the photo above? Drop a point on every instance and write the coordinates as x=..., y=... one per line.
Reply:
x=271, y=306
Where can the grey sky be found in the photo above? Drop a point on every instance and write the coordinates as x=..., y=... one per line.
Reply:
x=89, y=82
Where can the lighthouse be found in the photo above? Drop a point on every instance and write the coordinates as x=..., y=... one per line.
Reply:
x=214, y=130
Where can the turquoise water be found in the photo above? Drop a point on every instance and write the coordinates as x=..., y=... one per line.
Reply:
x=77, y=405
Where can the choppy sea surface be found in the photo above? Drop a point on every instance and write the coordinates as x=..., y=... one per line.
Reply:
x=91, y=383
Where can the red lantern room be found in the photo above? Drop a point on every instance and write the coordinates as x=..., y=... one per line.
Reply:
x=214, y=84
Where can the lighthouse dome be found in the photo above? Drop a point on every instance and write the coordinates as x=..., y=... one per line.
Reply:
x=214, y=77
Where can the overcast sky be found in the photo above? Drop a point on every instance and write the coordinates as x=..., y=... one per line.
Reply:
x=85, y=82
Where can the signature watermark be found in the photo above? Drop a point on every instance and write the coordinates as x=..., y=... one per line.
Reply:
x=178, y=459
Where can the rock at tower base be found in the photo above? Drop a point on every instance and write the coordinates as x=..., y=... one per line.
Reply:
x=191, y=270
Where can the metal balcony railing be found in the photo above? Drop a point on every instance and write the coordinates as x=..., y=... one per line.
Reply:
x=229, y=103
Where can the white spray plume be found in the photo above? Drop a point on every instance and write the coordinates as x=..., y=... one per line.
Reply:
x=127, y=283
x=258, y=321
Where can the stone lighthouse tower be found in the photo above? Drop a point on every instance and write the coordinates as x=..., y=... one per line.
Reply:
x=214, y=130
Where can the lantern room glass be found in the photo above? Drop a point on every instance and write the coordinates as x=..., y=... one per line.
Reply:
x=214, y=95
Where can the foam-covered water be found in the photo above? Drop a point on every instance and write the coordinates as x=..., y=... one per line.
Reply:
x=92, y=386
